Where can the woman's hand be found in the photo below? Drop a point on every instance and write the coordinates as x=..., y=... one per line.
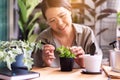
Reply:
x=79, y=52
x=48, y=54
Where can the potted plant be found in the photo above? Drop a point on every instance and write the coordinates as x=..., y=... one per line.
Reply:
x=10, y=50
x=66, y=58
x=28, y=17
x=94, y=15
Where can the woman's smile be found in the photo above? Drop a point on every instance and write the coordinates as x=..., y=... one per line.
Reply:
x=63, y=28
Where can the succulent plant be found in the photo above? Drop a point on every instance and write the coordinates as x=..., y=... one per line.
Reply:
x=65, y=52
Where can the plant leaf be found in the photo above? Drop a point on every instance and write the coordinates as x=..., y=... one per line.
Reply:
x=90, y=10
x=31, y=4
x=31, y=30
x=118, y=18
x=101, y=16
x=94, y=1
x=32, y=38
x=92, y=49
x=21, y=26
x=108, y=11
x=99, y=2
x=87, y=17
x=23, y=10
x=65, y=52
x=37, y=15
x=101, y=31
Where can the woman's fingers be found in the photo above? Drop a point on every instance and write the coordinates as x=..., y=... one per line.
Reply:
x=78, y=51
x=48, y=55
x=48, y=51
x=48, y=47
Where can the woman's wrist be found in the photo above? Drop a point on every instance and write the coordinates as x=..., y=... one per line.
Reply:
x=80, y=62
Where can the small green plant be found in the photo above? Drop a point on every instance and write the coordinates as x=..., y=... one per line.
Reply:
x=65, y=52
x=10, y=49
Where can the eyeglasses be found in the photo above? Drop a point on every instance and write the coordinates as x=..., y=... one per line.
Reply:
x=61, y=16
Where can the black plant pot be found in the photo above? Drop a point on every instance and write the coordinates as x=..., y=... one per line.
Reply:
x=19, y=63
x=66, y=64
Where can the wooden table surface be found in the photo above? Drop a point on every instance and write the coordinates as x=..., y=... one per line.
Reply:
x=49, y=73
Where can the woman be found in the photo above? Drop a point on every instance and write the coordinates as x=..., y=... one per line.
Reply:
x=62, y=31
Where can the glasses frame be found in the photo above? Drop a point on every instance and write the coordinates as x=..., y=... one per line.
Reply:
x=60, y=16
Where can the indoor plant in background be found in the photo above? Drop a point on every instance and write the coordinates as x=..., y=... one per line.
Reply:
x=118, y=30
x=13, y=51
x=66, y=58
x=27, y=21
x=10, y=50
x=28, y=18
x=93, y=14
x=118, y=18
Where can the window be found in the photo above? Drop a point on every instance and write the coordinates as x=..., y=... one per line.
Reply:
x=4, y=19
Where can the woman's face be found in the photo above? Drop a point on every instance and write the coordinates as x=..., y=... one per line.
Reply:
x=59, y=19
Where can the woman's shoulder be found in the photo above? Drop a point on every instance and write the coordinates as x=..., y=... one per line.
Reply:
x=45, y=33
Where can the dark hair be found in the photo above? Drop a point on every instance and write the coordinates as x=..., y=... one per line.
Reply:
x=45, y=4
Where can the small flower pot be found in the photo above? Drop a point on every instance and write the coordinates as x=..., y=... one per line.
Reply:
x=19, y=62
x=2, y=64
x=66, y=64
x=15, y=65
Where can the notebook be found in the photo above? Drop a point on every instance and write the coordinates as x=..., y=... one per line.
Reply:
x=17, y=74
x=108, y=71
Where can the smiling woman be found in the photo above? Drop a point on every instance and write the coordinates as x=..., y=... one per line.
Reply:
x=63, y=32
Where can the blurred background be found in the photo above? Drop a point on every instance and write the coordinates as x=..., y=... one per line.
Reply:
x=100, y=15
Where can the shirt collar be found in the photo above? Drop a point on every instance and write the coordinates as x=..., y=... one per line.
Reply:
x=78, y=28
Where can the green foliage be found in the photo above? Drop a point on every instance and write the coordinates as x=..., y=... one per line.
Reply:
x=65, y=52
x=10, y=49
x=118, y=18
x=27, y=19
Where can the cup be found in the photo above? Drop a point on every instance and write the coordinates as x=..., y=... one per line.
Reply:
x=92, y=62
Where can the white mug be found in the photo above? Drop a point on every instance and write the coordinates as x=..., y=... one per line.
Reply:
x=92, y=62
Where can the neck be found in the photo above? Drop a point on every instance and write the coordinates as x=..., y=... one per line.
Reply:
x=66, y=39
x=68, y=33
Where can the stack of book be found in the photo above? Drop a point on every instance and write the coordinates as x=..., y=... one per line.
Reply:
x=17, y=74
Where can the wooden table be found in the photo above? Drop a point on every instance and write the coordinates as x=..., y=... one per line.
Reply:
x=48, y=73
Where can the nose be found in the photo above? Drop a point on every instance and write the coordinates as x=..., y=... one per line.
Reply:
x=59, y=21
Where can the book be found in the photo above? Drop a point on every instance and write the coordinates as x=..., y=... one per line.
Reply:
x=110, y=73
x=17, y=74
